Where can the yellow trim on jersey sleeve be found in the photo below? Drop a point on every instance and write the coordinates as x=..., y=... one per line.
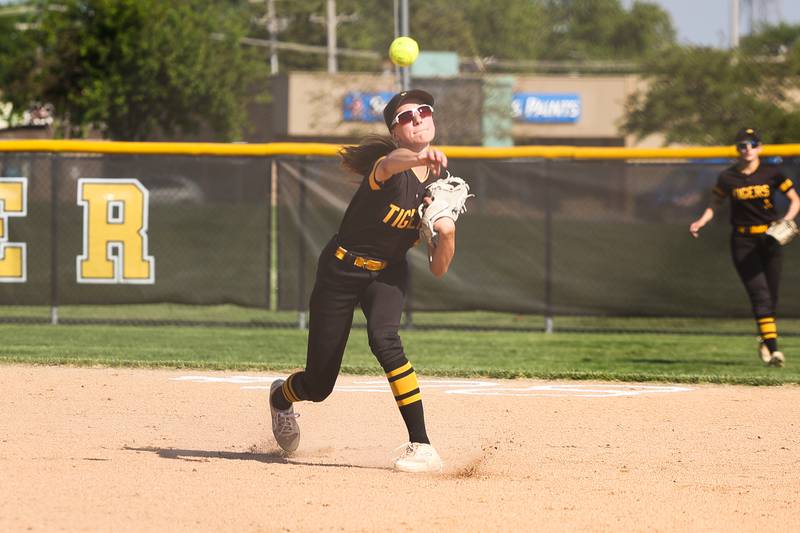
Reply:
x=374, y=184
x=786, y=185
x=718, y=192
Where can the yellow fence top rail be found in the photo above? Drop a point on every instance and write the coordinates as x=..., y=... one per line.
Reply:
x=331, y=150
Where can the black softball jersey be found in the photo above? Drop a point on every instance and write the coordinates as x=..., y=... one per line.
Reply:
x=382, y=220
x=752, y=195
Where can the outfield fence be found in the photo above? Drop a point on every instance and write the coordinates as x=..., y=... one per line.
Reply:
x=552, y=232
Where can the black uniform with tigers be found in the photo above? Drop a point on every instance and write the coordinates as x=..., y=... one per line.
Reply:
x=381, y=220
x=364, y=264
x=757, y=258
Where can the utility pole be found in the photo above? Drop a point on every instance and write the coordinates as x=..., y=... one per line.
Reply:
x=331, y=21
x=734, y=23
x=405, y=72
x=272, y=27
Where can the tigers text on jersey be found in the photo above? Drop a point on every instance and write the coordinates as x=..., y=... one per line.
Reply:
x=382, y=220
x=752, y=195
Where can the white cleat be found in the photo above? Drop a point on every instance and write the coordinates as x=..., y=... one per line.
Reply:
x=763, y=352
x=418, y=457
x=777, y=359
x=284, y=422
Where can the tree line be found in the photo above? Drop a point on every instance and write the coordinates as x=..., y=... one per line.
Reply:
x=131, y=69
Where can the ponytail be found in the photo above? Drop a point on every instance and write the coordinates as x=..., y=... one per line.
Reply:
x=360, y=159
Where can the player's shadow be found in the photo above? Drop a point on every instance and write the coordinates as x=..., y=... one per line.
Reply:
x=275, y=457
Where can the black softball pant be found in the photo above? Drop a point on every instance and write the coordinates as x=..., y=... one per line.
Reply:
x=339, y=287
x=758, y=260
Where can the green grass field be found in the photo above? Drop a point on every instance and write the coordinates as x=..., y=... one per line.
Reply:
x=729, y=357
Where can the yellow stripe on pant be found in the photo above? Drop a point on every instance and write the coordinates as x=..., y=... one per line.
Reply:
x=405, y=387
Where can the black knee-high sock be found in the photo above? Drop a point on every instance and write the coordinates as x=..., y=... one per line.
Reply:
x=403, y=381
x=414, y=417
x=769, y=332
x=283, y=397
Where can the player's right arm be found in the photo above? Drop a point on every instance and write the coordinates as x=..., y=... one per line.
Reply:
x=708, y=214
x=403, y=159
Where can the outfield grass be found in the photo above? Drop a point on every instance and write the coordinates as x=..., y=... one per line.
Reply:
x=509, y=354
x=232, y=315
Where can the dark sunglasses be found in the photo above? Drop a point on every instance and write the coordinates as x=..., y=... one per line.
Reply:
x=407, y=116
x=744, y=145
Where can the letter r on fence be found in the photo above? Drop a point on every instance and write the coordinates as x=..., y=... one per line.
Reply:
x=115, y=218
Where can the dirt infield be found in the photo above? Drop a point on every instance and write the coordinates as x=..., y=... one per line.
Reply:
x=97, y=449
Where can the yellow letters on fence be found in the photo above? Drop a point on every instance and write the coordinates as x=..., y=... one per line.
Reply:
x=13, y=255
x=114, y=232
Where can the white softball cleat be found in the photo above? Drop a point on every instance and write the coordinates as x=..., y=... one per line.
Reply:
x=418, y=457
x=763, y=352
x=284, y=422
x=777, y=359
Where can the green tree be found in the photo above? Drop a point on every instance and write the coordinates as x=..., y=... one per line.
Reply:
x=503, y=29
x=645, y=30
x=499, y=29
x=603, y=29
x=771, y=40
x=135, y=68
x=16, y=48
x=703, y=95
x=10, y=46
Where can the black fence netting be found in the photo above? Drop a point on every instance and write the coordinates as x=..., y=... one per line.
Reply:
x=207, y=229
x=550, y=237
x=542, y=237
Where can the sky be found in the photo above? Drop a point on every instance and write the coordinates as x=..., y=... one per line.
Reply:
x=708, y=22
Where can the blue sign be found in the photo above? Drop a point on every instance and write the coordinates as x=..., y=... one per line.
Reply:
x=546, y=107
x=365, y=107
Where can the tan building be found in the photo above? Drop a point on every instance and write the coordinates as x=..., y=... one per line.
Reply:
x=471, y=110
x=492, y=110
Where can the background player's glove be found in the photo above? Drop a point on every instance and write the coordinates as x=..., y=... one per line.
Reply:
x=783, y=231
x=449, y=196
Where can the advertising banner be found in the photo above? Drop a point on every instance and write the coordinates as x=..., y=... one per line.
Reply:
x=546, y=107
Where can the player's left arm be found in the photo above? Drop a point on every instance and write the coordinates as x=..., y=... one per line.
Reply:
x=441, y=255
x=794, y=204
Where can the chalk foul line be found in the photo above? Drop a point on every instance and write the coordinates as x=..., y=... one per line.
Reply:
x=470, y=388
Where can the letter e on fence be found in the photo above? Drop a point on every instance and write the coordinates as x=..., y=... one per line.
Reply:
x=115, y=213
x=13, y=255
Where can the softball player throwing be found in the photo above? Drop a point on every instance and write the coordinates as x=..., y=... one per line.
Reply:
x=365, y=264
x=751, y=185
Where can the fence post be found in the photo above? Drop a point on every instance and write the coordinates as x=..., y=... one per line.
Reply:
x=301, y=252
x=55, y=167
x=272, y=237
x=548, y=251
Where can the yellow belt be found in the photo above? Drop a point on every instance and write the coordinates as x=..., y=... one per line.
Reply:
x=361, y=262
x=752, y=230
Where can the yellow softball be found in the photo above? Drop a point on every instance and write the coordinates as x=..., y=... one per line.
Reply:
x=403, y=51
